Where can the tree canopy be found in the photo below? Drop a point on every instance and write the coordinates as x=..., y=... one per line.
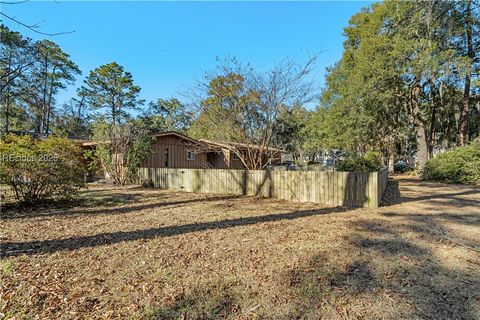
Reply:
x=407, y=86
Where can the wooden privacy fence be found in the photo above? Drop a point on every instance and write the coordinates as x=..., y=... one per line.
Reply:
x=331, y=188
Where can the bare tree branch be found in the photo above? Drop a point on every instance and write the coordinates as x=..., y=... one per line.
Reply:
x=13, y=2
x=34, y=27
x=241, y=105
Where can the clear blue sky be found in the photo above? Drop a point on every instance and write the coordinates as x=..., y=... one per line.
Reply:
x=166, y=45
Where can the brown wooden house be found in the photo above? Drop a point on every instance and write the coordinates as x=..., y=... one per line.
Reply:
x=175, y=150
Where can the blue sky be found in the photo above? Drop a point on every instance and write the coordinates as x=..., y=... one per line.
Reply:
x=167, y=45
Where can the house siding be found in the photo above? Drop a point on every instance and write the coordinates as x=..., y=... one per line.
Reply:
x=177, y=154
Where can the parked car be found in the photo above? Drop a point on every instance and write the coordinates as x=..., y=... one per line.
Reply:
x=284, y=166
x=400, y=166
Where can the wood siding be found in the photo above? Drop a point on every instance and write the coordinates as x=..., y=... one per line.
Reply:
x=177, y=154
x=325, y=187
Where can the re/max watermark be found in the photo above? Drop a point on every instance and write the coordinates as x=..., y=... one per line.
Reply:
x=28, y=158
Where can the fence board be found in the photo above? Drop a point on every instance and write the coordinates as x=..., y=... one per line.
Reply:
x=326, y=187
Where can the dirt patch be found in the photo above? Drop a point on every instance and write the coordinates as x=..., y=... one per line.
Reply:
x=143, y=253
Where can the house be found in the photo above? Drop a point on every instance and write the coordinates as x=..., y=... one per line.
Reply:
x=175, y=150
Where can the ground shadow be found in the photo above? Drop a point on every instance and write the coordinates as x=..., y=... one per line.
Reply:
x=392, y=194
x=430, y=226
x=386, y=276
x=355, y=191
x=217, y=301
x=17, y=248
x=111, y=207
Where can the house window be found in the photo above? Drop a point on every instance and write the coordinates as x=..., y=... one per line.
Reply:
x=234, y=156
x=166, y=157
x=190, y=155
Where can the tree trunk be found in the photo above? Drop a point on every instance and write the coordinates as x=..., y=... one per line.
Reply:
x=7, y=114
x=465, y=108
x=50, y=98
x=422, y=149
x=433, y=115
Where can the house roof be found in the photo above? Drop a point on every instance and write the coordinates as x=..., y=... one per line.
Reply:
x=177, y=134
x=210, y=143
x=229, y=145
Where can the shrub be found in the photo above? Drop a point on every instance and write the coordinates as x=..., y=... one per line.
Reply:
x=460, y=165
x=370, y=162
x=39, y=170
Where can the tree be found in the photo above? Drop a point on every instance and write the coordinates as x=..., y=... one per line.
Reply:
x=239, y=104
x=74, y=118
x=32, y=74
x=109, y=86
x=53, y=70
x=121, y=149
x=470, y=23
x=165, y=115
x=120, y=142
x=398, y=75
x=290, y=131
x=16, y=57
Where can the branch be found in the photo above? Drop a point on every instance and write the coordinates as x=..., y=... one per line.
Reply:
x=33, y=27
x=14, y=2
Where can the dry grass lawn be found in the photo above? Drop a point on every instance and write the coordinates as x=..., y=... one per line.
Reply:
x=134, y=253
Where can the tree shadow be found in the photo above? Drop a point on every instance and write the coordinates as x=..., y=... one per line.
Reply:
x=430, y=228
x=357, y=194
x=73, y=243
x=466, y=218
x=393, y=195
x=388, y=246
x=217, y=301
x=110, y=205
x=319, y=284
x=437, y=292
x=385, y=262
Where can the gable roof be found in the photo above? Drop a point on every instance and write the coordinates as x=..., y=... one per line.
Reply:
x=176, y=134
x=229, y=145
x=207, y=142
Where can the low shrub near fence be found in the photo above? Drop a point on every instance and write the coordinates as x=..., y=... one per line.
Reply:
x=331, y=188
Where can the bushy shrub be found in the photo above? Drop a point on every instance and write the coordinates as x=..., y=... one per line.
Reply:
x=370, y=162
x=460, y=165
x=39, y=170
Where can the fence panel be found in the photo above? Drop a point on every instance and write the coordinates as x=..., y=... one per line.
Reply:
x=326, y=187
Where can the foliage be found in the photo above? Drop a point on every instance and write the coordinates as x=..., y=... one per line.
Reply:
x=32, y=74
x=120, y=150
x=400, y=80
x=167, y=115
x=290, y=131
x=39, y=170
x=15, y=58
x=121, y=143
x=110, y=86
x=239, y=104
x=52, y=72
x=370, y=162
x=74, y=118
x=460, y=165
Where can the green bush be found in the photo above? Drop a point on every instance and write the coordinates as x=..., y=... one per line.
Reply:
x=40, y=170
x=460, y=165
x=370, y=162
